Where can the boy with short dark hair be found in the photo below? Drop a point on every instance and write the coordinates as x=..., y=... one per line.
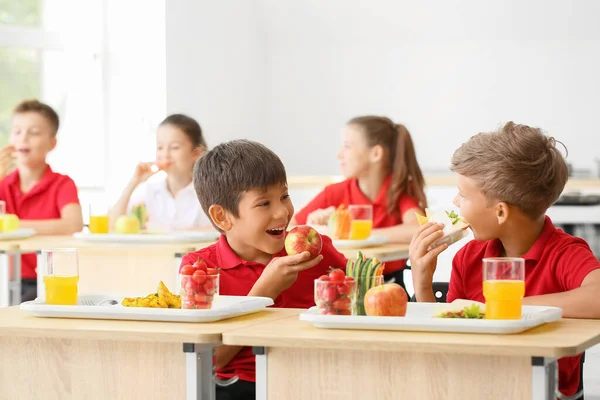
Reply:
x=506, y=181
x=44, y=200
x=242, y=187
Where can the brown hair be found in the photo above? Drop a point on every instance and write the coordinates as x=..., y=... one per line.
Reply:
x=397, y=143
x=41, y=108
x=517, y=164
x=223, y=174
x=189, y=126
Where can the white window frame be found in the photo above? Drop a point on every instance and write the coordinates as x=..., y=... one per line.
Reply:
x=42, y=39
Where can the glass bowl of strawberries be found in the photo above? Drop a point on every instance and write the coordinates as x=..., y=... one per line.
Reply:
x=198, y=285
x=335, y=293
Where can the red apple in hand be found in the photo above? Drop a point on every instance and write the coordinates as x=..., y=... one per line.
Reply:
x=303, y=238
x=388, y=300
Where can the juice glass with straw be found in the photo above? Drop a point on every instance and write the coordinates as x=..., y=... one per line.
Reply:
x=99, y=221
x=361, y=221
x=60, y=269
x=503, y=287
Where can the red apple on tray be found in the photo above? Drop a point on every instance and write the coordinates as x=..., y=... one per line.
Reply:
x=388, y=300
x=303, y=238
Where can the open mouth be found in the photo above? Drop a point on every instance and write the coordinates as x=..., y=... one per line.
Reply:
x=276, y=232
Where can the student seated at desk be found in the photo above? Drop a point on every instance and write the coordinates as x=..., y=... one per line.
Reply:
x=506, y=181
x=379, y=161
x=242, y=186
x=43, y=199
x=170, y=199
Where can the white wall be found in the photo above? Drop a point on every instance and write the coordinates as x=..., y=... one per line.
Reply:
x=216, y=66
x=299, y=69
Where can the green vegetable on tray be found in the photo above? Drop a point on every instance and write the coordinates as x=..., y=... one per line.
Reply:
x=367, y=272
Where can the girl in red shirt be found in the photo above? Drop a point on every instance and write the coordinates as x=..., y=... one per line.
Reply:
x=380, y=165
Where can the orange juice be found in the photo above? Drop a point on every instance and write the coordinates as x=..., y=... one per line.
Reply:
x=503, y=298
x=99, y=223
x=1, y=223
x=61, y=290
x=360, y=229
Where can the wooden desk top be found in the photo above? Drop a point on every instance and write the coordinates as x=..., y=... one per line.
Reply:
x=36, y=243
x=384, y=253
x=564, y=338
x=13, y=321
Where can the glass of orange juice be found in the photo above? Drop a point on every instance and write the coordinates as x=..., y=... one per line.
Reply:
x=503, y=287
x=99, y=221
x=361, y=221
x=61, y=275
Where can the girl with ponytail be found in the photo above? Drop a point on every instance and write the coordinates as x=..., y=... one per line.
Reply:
x=380, y=165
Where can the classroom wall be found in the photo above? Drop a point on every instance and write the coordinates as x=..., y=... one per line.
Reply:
x=297, y=70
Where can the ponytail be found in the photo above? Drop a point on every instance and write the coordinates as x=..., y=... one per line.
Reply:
x=407, y=177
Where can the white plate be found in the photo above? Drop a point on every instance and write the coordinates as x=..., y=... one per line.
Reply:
x=223, y=307
x=22, y=233
x=420, y=317
x=357, y=244
x=175, y=237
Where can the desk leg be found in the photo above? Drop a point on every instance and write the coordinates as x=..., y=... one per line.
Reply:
x=261, y=372
x=544, y=378
x=5, y=281
x=199, y=371
x=15, y=285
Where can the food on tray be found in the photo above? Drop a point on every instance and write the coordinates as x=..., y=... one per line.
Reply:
x=303, y=238
x=340, y=223
x=127, y=224
x=466, y=309
x=367, y=272
x=335, y=293
x=199, y=285
x=141, y=213
x=387, y=300
x=9, y=223
x=163, y=298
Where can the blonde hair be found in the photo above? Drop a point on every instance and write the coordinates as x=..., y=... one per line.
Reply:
x=517, y=164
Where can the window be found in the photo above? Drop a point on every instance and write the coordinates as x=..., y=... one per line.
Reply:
x=52, y=50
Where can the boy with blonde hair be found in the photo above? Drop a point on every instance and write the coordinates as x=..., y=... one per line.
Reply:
x=506, y=181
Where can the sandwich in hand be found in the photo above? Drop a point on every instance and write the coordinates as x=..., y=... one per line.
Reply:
x=455, y=228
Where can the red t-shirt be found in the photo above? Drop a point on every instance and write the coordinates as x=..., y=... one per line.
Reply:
x=44, y=201
x=237, y=277
x=556, y=263
x=348, y=192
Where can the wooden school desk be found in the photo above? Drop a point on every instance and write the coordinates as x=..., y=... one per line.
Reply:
x=100, y=359
x=298, y=361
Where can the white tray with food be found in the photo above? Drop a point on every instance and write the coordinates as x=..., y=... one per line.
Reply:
x=149, y=238
x=459, y=317
x=98, y=306
x=22, y=233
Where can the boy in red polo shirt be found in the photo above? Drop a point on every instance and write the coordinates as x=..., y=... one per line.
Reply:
x=242, y=187
x=42, y=199
x=506, y=181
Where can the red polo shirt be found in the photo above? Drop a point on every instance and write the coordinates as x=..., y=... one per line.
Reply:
x=348, y=192
x=237, y=278
x=44, y=201
x=556, y=263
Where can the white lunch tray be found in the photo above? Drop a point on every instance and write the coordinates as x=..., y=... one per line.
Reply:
x=22, y=233
x=420, y=317
x=223, y=307
x=371, y=241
